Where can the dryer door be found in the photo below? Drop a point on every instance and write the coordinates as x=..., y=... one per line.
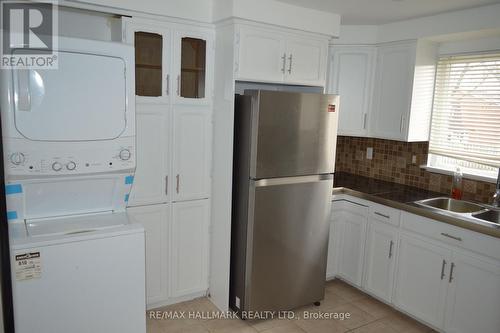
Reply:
x=84, y=99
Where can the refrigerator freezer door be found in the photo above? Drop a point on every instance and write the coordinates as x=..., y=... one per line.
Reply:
x=293, y=134
x=286, y=256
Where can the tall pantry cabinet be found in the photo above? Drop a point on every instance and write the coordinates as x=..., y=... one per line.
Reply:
x=171, y=191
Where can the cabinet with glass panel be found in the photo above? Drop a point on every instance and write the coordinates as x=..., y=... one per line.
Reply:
x=193, y=54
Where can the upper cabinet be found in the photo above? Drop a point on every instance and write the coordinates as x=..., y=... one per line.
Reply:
x=173, y=63
x=153, y=52
x=193, y=53
x=351, y=76
x=277, y=56
x=397, y=103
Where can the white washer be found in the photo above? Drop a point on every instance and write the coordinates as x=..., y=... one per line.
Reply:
x=79, y=274
x=69, y=152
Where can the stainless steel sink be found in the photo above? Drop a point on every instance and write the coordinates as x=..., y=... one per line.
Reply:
x=451, y=205
x=489, y=215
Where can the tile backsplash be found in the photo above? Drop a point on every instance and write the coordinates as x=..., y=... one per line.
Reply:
x=392, y=161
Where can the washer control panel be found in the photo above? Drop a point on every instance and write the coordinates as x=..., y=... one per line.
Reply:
x=84, y=159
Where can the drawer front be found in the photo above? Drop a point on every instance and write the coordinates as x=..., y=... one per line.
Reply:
x=385, y=214
x=449, y=234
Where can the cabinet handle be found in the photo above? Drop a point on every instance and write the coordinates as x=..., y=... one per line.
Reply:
x=168, y=84
x=452, y=237
x=290, y=64
x=391, y=244
x=178, y=181
x=451, y=272
x=364, y=121
x=178, y=85
x=442, y=269
x=383, y=215
x=283, y=58
x=401, y=124
x=166, y=185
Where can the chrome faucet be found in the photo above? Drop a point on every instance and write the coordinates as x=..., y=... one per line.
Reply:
x=496, y=196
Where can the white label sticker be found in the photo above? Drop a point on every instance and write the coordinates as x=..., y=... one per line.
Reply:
x=28, y=266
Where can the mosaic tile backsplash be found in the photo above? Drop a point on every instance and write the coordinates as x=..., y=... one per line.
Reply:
x=392, y=161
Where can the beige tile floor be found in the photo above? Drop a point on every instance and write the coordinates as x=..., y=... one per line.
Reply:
x=367, y=315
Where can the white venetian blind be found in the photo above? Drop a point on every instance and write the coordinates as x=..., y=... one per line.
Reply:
x=466, y=114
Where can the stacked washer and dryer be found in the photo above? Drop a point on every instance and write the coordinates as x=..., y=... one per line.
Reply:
x=78, y=261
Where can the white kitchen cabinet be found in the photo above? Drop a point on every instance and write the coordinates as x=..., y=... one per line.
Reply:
x=153, y=44
x=380, y=259
x=335, y=217
x=351, y=73
x=350, y=238
x=152, y=173
x=473, y=299
x=403, y=93
x=262, y=55
x=189, y=247
x=193, y=66
x=192, y=153
x=306, y=61
x=265, y=54
x=156, y=220
x=422, y=279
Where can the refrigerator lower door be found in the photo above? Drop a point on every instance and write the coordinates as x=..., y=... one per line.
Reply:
x=288, y=242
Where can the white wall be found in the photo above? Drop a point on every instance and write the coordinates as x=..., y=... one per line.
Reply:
x=278, y=13
x=196, y=10
x=89, y=25
x=471, y=45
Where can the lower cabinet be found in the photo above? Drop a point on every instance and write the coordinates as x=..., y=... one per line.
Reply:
x=473, y=300
x=405, y=260
x=380, y=259
x=177, y=249
x=156, y=221
x=350, y=239
x=189, y=245
x=422, y=278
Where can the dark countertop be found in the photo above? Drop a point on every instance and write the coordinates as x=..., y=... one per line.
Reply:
x=401, y=197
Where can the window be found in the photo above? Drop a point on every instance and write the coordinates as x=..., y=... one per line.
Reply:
x=465, y=129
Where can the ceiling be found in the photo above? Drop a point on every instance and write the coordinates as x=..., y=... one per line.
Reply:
x=386, y=11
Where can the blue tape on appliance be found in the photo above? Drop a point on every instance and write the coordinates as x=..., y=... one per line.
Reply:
x=12, y=215
x=129, y=180
x=126, y=197
x=13, y=189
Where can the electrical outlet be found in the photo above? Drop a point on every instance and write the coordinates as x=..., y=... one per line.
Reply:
x=369, y=153
x=414, y=159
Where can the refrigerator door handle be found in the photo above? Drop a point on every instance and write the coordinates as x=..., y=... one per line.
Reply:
x=292, y=180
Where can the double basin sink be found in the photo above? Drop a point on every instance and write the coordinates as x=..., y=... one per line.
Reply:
x=469, y=210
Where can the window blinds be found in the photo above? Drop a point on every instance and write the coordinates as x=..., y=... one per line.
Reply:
x=466, y=113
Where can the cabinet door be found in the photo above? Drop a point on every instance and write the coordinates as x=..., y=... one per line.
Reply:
x=351, y=77
x=351, y=238
x=261, y=55
x=193, y=63
x=189, y=247
x=380, y=259
x=151, y=176
x=473, y=301
x=393, y=90
x=155, y=219
x=192, y=153
x=422, y=279
x=306, y=61
x=153, y=51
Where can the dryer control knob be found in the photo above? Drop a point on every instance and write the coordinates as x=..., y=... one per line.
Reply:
x=71, y=166
x=125, y=154
x=17, y=158
x=56, y=166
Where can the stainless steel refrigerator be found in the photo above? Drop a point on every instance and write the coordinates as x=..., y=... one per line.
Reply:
x=284, y=157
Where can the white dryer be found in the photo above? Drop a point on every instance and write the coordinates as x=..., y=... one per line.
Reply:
x=69, y=152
